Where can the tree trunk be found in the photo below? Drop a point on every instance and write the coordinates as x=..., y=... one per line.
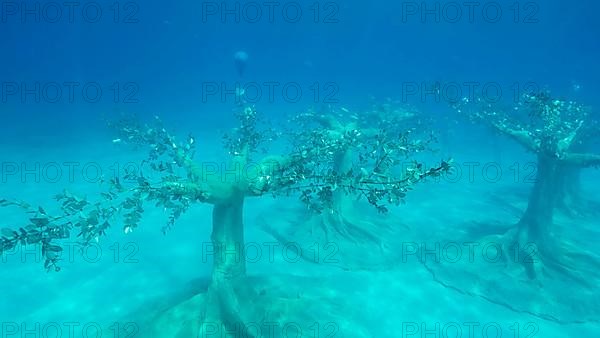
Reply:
x=229, y=268
x=342, y=217
x=534, y=238
x=342, y=165
x=228, y=239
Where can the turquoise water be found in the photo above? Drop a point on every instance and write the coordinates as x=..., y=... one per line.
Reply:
x=66, y=78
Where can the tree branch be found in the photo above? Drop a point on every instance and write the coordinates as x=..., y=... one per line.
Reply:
x=581, y=159
x=522, y=136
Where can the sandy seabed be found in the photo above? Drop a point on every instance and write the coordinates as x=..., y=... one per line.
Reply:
x=126, y=280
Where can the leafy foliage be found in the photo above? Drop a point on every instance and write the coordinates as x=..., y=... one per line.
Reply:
x=552, y=125
x=248, y=138
x=316, y=190
x=330, y=154
x=91, y=220
x=333, y=152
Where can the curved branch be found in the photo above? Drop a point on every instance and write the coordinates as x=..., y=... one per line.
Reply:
x=581, y=159
x=522, y=136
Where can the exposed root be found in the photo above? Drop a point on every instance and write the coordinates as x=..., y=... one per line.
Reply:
x=275, y=306
x=344, y=240
x=546, y=277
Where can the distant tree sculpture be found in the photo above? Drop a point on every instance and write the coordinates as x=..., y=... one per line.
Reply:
x=372, y=143
x=171, y=179
x=553, y=129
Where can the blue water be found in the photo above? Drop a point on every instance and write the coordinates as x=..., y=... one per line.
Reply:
x=176, y=61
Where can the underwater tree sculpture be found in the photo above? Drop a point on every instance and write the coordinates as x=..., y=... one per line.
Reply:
x=533, y=265
x=383, y=139
x=178, y=182
x=554, y=132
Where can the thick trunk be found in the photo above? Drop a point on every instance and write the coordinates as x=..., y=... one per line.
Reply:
x=229, y=267
x=342, y=165
x=331, y=220
x=228, y=239
x=534, y=238
x=537, y=219
x=342, y=215
x=342, y=218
